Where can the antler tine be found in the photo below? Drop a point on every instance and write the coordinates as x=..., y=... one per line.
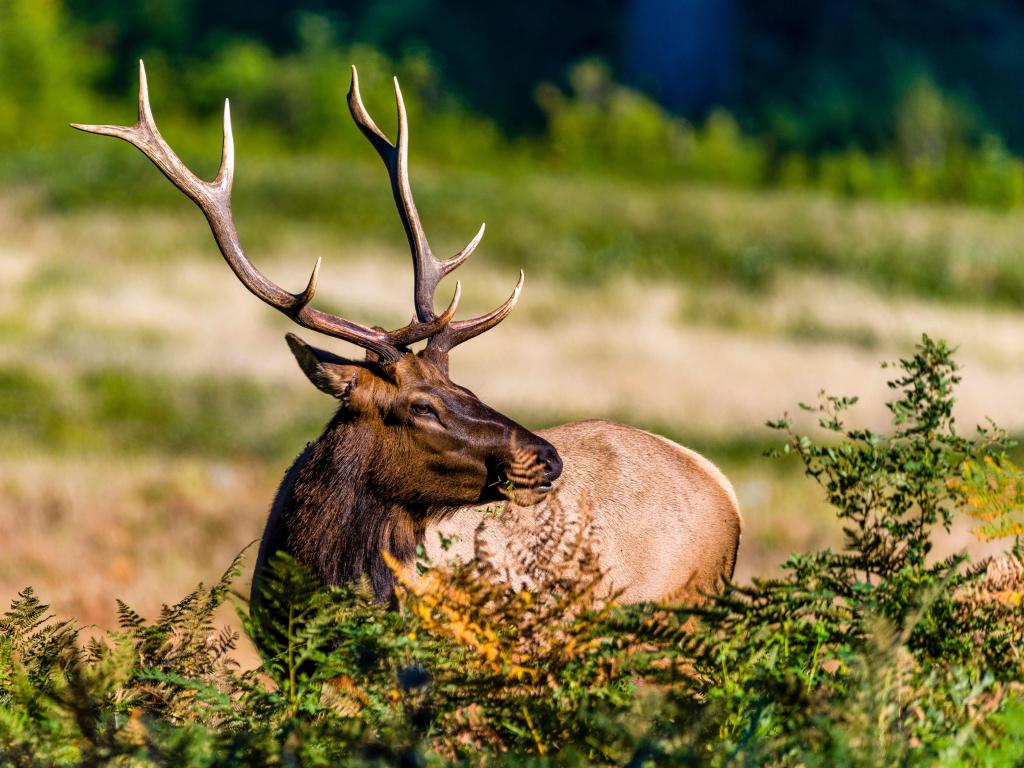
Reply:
x=463, y=330
x=465, y=253
x=429, y=270
x=214, y=199
x=145, y=136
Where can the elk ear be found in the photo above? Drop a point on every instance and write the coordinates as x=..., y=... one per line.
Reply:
x=328, y=372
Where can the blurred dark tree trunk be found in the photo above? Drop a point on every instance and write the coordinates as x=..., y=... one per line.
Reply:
x=682, y=51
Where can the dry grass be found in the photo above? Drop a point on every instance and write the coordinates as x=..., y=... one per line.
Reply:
x=150, y=295
x=83, y=531
x=701, y=362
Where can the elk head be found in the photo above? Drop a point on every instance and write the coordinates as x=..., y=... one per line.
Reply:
x=449, y=447
x=433, y=443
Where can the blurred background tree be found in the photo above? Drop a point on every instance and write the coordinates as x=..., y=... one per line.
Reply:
x=872, y=99
x=44, y=67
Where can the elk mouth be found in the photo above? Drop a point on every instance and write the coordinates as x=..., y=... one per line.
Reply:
x=522, y=489
x=544, y=486
x=527, y=475
x=500, y=483
x=522, y=496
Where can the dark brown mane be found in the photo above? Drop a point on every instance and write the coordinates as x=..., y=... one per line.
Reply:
x=334, y=523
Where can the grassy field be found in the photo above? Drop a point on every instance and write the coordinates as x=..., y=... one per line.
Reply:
x=730, y=284
x=148, y=404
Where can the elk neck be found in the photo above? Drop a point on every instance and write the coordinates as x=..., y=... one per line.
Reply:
x=335, y=523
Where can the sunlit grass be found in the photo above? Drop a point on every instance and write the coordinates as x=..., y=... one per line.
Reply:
x=585, y=227
x=116, y=411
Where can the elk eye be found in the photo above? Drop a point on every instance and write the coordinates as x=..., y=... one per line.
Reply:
x=424, y=409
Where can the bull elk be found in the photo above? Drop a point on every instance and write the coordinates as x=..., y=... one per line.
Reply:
x=409, y=451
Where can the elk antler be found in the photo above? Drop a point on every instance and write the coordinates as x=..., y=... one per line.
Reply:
x=214, y=199
x=428, y=269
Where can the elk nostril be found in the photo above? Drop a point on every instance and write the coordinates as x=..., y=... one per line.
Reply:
x=552, y=462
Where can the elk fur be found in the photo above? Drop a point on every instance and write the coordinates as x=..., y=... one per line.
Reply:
x=666, y=522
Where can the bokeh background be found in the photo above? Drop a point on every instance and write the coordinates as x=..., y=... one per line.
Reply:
x=722, y=207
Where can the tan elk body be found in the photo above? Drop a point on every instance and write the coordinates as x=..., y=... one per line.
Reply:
x=410, y=454
x=665, y=520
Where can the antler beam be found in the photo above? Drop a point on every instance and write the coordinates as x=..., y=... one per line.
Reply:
x=429, y=271
x=214, y=200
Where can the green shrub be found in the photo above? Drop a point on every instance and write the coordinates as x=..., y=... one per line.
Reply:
x=605, y=126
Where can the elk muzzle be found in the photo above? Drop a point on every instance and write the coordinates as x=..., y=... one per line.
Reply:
x=530, y=470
